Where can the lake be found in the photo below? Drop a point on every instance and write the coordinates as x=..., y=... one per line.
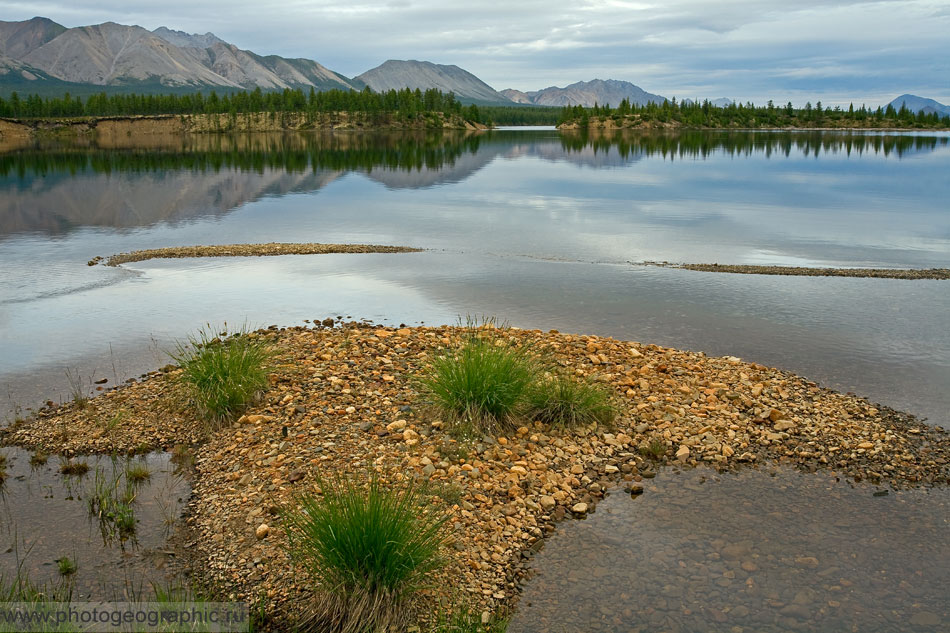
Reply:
x=540, y=230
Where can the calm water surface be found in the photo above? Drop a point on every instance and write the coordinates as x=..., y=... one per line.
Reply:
x=545, y=231
x=534, y=227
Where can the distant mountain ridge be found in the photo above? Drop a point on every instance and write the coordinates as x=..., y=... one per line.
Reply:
x=586, y=93
x=396, y=74
x=111, y=54
x=920, y=104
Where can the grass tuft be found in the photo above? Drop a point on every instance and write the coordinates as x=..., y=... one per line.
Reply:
x=369, y=548
x=74, y=467
x=482, y=384
x=223, y=375
x=66, y=566
x=654, y=448
x=463, y=619
x=137, y=473
x=565, y=402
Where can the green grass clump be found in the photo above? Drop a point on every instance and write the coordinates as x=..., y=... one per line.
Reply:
x=565, y=402
x=223, y=375
x=369, y=548
x=111, y=500
x=482, y=384
x=464, y=619
x=77, y=468
x=66, y=566
x=655, y=448
x=137, y=473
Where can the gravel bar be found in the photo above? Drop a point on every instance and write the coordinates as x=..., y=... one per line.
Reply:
x=249, y=250
x=803, y=271
x=343, y=399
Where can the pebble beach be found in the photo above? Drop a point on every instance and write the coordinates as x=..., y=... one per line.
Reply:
x=344, y=399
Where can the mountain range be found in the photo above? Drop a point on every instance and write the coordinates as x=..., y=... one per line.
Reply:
x=41, y=56
x=110, y=54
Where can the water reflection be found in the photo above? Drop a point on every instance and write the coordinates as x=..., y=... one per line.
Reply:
x=54, y=187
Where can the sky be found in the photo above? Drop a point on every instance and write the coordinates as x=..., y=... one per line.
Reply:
x=834, y=51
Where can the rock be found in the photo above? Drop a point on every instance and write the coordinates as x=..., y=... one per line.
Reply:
x=925, y=618
x=784, y=425
x=636, y=489
x=579, y=508
x=395, y=427
x=547, y=502
x=262, y=531
x=806, y=561
x=682, y=454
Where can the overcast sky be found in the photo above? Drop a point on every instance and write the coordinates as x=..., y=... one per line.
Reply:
x=828, y=50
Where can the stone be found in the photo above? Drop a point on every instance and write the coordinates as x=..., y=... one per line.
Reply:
x=579, y=508
x=925, y=618
x=262, y=531
x=394, y=427
x=547, y=502
x=682, y=454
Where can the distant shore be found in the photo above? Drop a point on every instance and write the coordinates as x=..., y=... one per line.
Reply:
x=112, y=126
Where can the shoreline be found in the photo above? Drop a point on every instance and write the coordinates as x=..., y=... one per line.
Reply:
x=342, y=399
x=804, y=271
x=121, y=126
x=268, y=249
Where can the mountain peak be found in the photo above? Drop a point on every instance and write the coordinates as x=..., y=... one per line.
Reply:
x=187, y=40
x=396, y=74
x=915, y=103
x=587, y=93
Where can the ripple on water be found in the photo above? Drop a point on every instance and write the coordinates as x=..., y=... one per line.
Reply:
x=756, y=551
x=45, y=516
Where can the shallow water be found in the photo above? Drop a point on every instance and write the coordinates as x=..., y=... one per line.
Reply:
x=44, y=516
x=531, y=226
x=759, y=551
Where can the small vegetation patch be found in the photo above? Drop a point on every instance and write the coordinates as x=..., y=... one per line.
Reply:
x=137, y=473
x=110, y=500
x=565, y=402
x=654, y=448
x=66, y=566
x=223, y=375
x=74, y=467
x=489, y=385
x=482, y=385
x=368, y=547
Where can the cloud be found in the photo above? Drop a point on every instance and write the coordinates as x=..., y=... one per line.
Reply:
x=833, y=50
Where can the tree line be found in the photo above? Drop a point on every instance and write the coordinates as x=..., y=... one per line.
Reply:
x=404, y=103
x=748, y=115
